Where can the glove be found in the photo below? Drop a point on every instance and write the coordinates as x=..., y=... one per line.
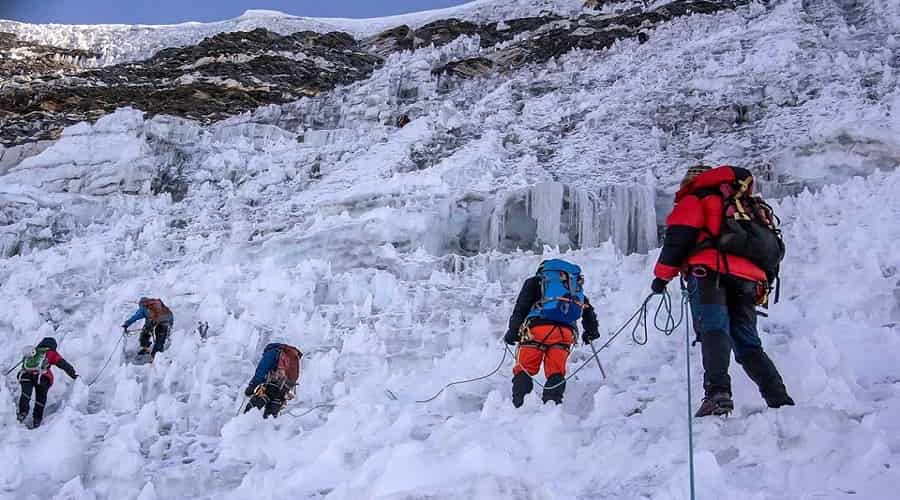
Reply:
x=249, y=391
x=124, y=327
x=588, y=337
x=75, y=377
x=511, y=337
x=658, y=285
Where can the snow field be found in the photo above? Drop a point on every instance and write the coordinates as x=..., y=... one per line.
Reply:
x=362, y=265
x=172, y=424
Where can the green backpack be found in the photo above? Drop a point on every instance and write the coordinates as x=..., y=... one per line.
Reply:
x=36, y=361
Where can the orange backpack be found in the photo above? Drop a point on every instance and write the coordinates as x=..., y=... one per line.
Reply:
x=158, y=311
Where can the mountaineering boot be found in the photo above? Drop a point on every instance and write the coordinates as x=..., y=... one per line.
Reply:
x=762, y=371
x=556, y=393
x=522, y=385
x=719, y=403
x=21, y=416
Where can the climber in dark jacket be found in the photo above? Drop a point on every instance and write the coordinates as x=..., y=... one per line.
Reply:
x=548, y=343
x=39, y=378
x=273, y=382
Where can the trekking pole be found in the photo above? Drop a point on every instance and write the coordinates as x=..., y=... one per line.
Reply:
x=242, y=405
x=14, y=367
x=597, y=357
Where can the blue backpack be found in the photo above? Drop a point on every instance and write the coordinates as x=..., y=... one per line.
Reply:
x=562, y=293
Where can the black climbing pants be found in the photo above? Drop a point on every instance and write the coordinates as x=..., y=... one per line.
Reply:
x=271, y=401
x=155, y=334
x=724, y=316
x=30, y=383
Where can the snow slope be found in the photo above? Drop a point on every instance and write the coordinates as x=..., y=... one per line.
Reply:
x=375, y=250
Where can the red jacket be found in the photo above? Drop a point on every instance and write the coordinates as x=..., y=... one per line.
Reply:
x=54, y=359
x=697, y=216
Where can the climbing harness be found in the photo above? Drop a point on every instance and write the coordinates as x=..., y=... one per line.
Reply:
x=260, y=392
x=639, y=318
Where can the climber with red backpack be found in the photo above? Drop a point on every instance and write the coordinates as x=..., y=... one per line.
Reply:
x=543, y=323
x=158, y=322
x=724, y=241
x=274, y=382
x=35, y=375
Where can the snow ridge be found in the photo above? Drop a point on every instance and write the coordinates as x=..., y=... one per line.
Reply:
x=121, y=43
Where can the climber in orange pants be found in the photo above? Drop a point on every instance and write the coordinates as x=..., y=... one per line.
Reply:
x=550, y=345
x=543, y=323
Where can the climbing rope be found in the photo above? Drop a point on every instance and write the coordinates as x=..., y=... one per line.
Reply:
x=458, y=382
x=126, y=333
x=639, y=318
x=288, y=412
x=641, y=315
x=685, y=301
x=314, y=408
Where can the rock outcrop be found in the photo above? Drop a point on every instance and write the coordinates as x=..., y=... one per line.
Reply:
x=544, y=38
x=222, y=76
x=45, y=89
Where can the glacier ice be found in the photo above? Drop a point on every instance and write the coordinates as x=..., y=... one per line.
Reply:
x=558, y=215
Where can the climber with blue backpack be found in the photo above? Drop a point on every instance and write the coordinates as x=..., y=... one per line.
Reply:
x=275, y=380
x=544, y=324
x=35, y=375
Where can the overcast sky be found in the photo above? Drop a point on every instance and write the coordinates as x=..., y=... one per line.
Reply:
x=176, y=11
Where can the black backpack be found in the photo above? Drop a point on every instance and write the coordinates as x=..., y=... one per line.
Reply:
x=749, y=228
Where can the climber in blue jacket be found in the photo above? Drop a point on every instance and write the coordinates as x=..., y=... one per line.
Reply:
x=273, y=382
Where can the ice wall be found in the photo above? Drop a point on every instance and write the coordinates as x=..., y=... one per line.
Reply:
x=559, y=215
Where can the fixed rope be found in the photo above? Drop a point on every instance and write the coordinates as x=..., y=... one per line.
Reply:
x=314, y=408
x=126, y=333
x=687, y=351
x=458, y=382
x=641, y=315
x=639, y=318
x=287, y=412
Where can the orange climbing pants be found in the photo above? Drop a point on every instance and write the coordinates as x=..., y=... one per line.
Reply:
x=549, y=344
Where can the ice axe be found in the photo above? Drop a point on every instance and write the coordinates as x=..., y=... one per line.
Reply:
x=597, y=357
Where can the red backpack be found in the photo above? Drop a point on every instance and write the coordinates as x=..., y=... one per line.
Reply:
x=287, y=368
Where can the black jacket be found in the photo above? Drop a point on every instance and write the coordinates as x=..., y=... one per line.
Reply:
x=531, y=294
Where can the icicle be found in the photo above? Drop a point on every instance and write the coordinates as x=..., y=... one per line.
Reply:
x=546, y=208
